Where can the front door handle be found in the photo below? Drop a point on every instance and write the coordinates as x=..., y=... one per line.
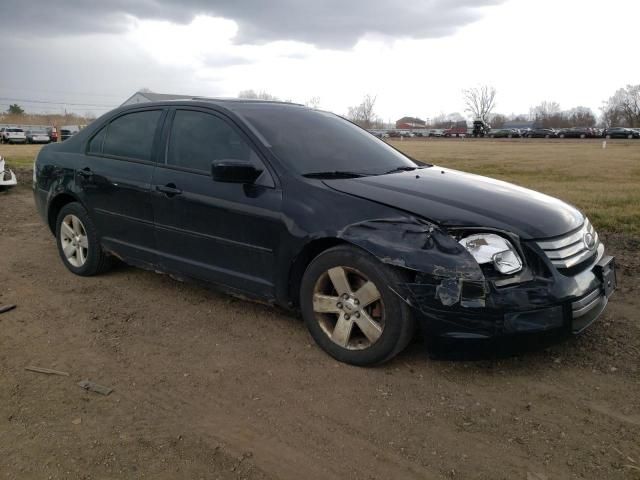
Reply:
x=85, y=172
x=170, y=190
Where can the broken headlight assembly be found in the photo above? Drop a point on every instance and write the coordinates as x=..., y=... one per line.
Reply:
x=489, y=248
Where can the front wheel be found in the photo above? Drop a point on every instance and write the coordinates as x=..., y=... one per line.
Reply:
x=350, y=308
x=78, y=242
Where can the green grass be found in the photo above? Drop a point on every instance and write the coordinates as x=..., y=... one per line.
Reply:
x=19, y=156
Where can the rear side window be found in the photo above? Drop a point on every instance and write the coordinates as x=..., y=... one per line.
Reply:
x=198, y=138
x=95, y=145
x=131, y=135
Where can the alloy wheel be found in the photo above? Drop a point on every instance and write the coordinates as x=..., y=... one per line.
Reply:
x=74, y=240
x=348, y=307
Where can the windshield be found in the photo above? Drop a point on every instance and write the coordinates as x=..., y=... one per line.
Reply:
x=310, y=141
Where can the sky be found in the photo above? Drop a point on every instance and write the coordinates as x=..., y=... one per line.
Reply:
x=415, y=56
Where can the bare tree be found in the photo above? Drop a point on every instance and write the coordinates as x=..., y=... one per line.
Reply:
x=581, y=117
x=480, y=101
x=363, y=114
x=547, y=115
x=497, y=120
x=253, y=95
x=313, y=102
x=623, y=108
x=448, y=120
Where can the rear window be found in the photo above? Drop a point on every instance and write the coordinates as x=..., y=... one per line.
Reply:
x=130, y=136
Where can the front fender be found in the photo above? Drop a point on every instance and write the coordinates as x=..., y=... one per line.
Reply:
x=445, y=273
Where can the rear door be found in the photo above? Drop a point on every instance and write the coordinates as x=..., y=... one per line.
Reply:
x=114, y=180
x=225, y=233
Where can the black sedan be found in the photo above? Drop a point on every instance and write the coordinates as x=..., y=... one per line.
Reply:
x=504, y=133
x=621, y=132
x=542, y=133
x=576, y=132
x=305, y=210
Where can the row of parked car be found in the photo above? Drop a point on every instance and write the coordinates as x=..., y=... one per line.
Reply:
x=574, y=132
x=40, y=135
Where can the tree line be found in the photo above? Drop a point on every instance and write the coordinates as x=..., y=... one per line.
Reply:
x=620, y=110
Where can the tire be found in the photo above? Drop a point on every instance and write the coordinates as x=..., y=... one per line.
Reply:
x=75, y=230
x=387, y=320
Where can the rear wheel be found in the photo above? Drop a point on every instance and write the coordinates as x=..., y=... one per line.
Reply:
x=78, y=242
x=350, y=308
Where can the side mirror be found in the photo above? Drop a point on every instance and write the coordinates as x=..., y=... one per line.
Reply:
x=234, y=171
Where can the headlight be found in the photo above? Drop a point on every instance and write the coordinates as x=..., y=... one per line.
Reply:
x=491, y=248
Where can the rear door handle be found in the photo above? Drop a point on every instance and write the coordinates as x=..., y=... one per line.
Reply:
x=170, y=190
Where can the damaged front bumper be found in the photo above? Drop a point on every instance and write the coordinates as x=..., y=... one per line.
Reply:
x=459, y=308
x=452, y=296
x=7, y=177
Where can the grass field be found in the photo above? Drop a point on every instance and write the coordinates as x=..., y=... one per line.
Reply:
x=604, y=183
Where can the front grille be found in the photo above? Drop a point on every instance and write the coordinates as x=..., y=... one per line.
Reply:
x=571, y=249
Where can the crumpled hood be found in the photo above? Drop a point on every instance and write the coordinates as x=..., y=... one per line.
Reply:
x=453, y=198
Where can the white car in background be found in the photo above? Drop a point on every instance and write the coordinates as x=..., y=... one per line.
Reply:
x=7, y=177
x=12, y=135
x=38, y=136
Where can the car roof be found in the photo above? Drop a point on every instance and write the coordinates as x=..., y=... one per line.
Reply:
x=229, y=103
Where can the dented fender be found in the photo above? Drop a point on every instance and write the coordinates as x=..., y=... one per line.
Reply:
x=446, y=274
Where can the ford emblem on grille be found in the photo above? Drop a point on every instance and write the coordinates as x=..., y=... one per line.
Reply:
x=589, y=241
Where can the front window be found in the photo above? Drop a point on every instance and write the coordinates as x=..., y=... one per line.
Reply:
x=310, y=141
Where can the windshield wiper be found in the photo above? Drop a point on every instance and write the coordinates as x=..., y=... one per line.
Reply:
x=405, y=168
x=335, y=174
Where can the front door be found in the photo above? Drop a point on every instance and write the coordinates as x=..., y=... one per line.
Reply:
x=226, y=233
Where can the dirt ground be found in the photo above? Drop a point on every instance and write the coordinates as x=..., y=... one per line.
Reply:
x=208, y=386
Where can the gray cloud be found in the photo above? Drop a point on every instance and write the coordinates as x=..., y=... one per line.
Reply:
x=94, y=78
x=328, y=23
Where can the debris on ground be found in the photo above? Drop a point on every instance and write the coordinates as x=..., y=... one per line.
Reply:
x=94, y=387
x=7, y=308
x=48, y=371
x=7, y=177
